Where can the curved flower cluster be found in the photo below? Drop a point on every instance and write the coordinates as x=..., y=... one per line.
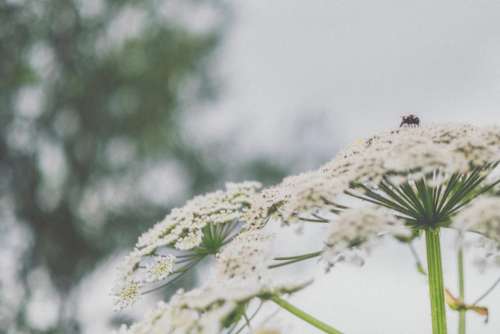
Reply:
x=412, y=153
x=295, y=195
x=483, y=216
x=182, y=226
x=404, y=155
x=159, y=267
x=157, y=251
x=245, y=257
x=355, y=231
x=212, y=309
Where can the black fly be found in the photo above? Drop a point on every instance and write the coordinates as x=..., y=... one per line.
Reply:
x=410, y=120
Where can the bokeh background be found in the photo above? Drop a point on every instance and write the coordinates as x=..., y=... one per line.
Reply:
x=114, y=111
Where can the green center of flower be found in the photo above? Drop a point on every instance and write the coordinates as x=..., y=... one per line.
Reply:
x=215, y=236
x=424, y=205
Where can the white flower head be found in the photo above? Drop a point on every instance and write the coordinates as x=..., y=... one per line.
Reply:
x=160, y=267
x=125, y=293
x=244, y=257
x=295, y=195
x=355, y=231
x=189, y=240
x=413, y=153
x=483, y=216
x=208, y=310
x=198, y=228
x=182, y=227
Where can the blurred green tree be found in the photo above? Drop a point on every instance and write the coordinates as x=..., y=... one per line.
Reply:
x=91, y=93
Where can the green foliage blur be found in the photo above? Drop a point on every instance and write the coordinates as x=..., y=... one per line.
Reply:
x=91, y=97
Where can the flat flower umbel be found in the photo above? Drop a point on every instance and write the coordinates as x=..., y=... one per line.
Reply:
x=214, y=308
x=180, y=241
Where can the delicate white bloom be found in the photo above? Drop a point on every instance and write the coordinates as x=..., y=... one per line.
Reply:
x=295, y=195
x=207, y=310
x=244, y=257
x=182, y=227
x=355, y=231
x=152, y=323
x=483, y=216
x=130, y=263
x=181, y=230
x=154, y=233
x=190, y=240
x=125, y=293
x=412, y=153
x=160, y=267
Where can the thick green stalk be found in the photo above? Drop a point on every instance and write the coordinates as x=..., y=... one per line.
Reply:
x=435, y=276
x=305, y=316
x=461, y=290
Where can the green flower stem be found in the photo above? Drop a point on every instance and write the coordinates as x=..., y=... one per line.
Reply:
x=461, y=290
x=304, y=316
x=435, y=276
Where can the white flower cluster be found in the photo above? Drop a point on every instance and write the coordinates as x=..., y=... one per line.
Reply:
x=154, y=256
x=125, y=293
x=207, y=310
x=244, y=257
x=159, y=267
x=483, y=216
x=355, y=232
x=299, y=194
x=182, y=226
x=411, y=153
x=403, y=155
